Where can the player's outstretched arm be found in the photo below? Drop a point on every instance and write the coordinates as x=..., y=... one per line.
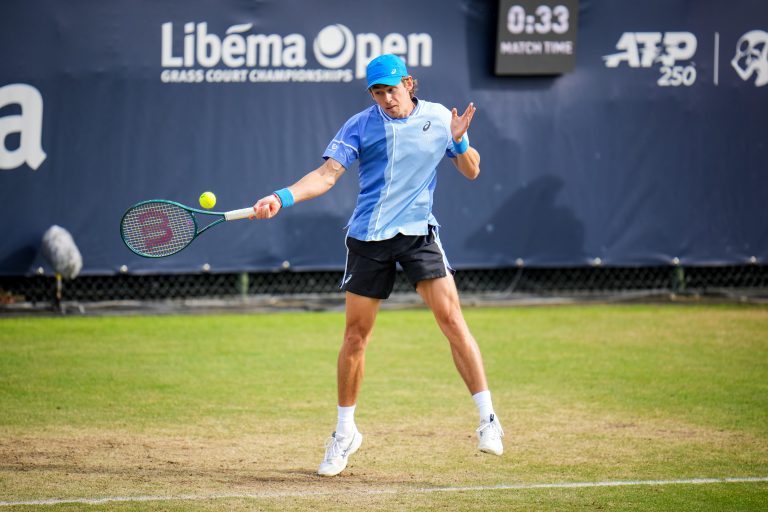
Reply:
x=468, y=163
x=313, y=184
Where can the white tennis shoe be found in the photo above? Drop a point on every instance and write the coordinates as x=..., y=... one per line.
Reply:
x=489, y=435
x=337, y=452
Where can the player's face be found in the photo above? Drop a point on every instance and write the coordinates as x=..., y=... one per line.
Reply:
x=395, y=100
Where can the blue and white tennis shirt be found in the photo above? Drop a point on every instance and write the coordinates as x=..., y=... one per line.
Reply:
x=397, y=169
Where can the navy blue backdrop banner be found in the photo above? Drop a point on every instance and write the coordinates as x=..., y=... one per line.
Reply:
x=654, y=147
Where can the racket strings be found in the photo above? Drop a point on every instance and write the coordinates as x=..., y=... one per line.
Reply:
x=158, y=228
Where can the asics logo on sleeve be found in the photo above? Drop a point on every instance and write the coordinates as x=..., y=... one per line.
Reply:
x=426, y=126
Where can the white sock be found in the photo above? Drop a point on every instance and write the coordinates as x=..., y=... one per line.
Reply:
x=346, y=422
x=484, y=404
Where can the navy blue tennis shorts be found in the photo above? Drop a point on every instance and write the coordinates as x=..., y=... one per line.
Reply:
x=371, y=266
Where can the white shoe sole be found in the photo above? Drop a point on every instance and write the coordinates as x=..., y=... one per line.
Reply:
x=488, y=449
x=356, y=442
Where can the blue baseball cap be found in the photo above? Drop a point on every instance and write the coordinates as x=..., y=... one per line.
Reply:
x=387, y=69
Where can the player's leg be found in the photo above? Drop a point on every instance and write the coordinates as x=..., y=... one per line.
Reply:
x=360, y=317
x=346, y=439
x=368, y=279
x=427, y=269
x=441, y=296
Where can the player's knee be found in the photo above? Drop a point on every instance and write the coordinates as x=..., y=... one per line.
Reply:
x=355, y=341
x=450, y=319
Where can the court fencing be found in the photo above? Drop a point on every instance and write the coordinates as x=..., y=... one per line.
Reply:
x=738, y=282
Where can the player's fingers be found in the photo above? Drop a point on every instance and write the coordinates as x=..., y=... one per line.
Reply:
x=466, y=117
x=257, y=211
x=454, y=113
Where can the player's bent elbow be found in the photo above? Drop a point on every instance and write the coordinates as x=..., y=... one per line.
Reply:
x=330, y=171
x=328, y=182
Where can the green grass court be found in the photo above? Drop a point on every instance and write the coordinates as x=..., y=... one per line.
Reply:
x=239, y=406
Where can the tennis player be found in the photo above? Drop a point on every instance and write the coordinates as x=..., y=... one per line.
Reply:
x=398, y=143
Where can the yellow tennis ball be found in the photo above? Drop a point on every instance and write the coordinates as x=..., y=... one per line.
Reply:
x=207, y=200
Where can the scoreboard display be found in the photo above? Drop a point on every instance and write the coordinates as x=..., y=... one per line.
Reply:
x=536, y=37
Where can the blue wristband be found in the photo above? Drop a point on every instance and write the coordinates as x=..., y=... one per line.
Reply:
x=285, y=197
x=461, y=147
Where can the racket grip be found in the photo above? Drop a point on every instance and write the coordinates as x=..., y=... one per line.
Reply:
x=243, y=213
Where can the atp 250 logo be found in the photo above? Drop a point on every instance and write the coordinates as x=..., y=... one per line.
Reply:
x=670, y=51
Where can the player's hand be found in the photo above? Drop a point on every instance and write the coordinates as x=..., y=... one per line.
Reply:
x=266, y=208
x=460, y=123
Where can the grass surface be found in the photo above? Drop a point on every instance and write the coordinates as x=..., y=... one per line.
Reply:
x=168, y=406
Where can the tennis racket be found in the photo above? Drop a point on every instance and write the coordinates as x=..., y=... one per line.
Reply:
x=159, y=228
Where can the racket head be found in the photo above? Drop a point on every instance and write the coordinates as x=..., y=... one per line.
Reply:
x=158, y=228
